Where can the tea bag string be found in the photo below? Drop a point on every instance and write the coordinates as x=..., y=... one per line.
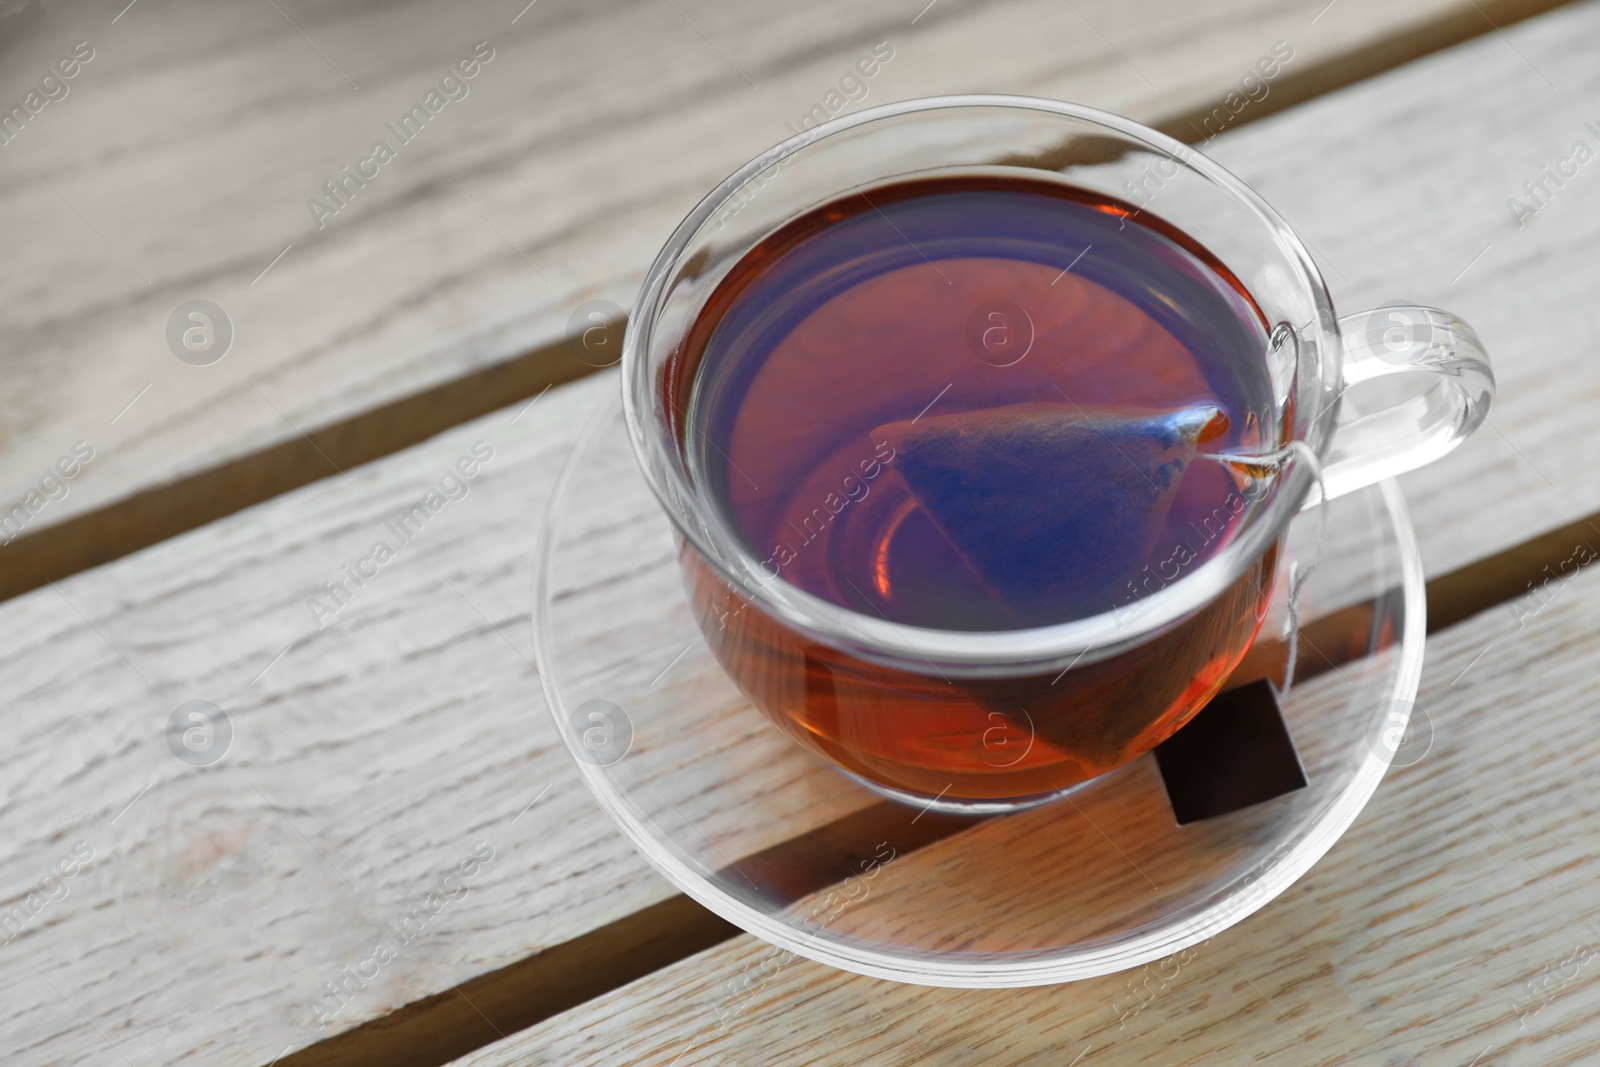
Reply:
x=1276, y=462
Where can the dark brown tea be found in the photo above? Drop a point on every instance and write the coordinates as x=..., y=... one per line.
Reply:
x=984, y=404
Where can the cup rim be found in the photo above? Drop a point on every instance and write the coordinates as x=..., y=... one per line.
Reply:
x=974, y=653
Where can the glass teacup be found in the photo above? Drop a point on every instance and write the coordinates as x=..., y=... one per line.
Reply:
x=995, y=720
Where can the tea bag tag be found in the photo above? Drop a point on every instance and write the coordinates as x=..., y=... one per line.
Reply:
x=1052, y=506
x=1234, y=754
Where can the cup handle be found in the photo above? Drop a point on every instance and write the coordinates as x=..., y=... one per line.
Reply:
x=1406, y=339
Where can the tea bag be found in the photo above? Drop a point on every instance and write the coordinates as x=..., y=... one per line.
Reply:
x=1054, y=507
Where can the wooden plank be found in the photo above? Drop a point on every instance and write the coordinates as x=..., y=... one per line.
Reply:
x=444, y=288
x=1413, y=941
x=373, y=755
x=368, y=759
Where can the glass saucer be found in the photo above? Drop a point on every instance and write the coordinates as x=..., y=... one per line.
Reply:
x=776, y=841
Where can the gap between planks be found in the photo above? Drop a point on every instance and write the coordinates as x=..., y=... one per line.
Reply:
x=445, y=1026
x=160, y=512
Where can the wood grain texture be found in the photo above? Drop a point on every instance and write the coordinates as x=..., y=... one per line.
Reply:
x=551, y=182
x=374, y=755
x=366, y=763
x=1412, y=942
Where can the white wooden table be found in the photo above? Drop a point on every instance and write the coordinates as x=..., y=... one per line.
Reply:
x=208, y=908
